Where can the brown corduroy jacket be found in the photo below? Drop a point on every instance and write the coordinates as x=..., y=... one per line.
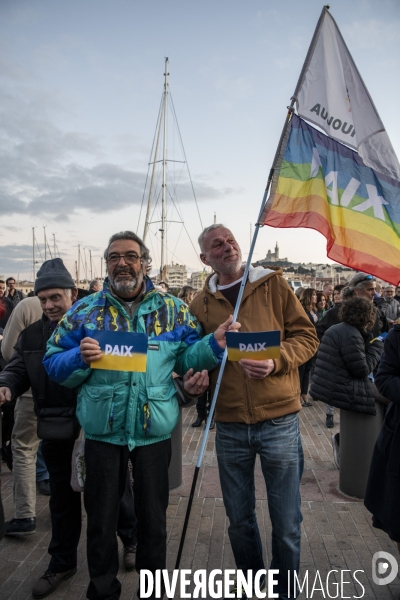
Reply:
x=268, y=304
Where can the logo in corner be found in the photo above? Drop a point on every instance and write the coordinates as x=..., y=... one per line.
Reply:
x=384, y=568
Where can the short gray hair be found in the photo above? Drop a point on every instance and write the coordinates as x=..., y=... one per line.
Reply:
x=129, y=235
x=358, y=282
x=206, y=231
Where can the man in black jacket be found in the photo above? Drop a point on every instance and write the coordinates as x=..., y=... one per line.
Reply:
x=57, y=425
x=12, y=293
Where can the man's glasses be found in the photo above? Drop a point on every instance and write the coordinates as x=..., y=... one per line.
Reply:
x=130, y=258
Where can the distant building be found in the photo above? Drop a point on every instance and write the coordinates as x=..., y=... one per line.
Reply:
x=175, y=275
x=25, y=286
x=273, y=258
x=197, y=279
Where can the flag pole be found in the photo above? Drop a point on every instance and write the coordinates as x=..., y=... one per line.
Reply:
x=258, y=225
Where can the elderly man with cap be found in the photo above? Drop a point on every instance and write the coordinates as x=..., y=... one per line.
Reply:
x=57, y=426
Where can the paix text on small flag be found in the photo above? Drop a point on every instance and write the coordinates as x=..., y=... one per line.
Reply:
x=323, y=185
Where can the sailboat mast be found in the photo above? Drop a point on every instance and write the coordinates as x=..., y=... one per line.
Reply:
x=33, y=252
x=147, y=221
x=164, y=163
x=79, y=264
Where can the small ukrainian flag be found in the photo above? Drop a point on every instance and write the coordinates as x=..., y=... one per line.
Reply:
x=259, y=345
x=122, y=351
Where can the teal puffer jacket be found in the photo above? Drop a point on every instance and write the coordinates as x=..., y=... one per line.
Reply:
x=121, y=407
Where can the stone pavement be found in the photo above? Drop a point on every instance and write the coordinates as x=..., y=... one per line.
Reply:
x=336, y=531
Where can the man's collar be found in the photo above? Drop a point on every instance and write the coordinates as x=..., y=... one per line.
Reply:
x=255, y=273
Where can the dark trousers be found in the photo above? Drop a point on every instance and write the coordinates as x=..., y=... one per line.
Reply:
x=203, y=404
x=304, y=376
x=65, y=506
x=106, y=467
x=127, y=522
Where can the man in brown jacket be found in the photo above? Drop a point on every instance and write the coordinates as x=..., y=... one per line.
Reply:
x=257, y=406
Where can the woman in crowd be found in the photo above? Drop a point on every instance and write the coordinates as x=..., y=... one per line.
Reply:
x=337, y=294
x=187, y=294
x=299, y=292
x=321, y=305
x=308, y=301
x=347, y=355
x=383, y=490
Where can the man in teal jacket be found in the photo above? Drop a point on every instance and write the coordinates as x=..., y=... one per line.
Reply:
x=129, y=414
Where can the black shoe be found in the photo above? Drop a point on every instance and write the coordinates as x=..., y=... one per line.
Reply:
x=329, y=421
x=50, y=582
x=21, y=526
x=212, y=424
x=43, y=487
x=197, y=422
x=129, y=557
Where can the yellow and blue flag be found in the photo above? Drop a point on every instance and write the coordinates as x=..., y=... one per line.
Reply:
x=258, y=345
x=122, y=350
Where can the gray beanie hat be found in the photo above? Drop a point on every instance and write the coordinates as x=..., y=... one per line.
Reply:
x=53, y=274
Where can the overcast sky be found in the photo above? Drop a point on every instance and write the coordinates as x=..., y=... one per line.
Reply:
x=81, y=83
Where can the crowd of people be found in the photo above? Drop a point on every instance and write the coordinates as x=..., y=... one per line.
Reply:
x=332, y=350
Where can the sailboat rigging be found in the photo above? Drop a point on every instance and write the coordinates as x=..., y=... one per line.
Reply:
x=160, y=187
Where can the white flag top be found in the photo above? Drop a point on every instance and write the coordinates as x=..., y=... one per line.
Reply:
x=332, y=95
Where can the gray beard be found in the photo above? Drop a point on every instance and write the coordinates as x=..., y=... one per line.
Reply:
x=126, y=287
x=233, y=268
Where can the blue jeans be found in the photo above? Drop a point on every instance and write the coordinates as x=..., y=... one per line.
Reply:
x=278, y=443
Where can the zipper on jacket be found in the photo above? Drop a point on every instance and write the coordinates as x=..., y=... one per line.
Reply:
x=205, y=309
x=111, y=417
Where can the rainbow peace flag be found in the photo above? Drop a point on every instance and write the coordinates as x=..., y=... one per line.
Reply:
x=323, y=185
x=122, y=350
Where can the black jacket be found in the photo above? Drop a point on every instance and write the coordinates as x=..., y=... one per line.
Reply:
x=344, y=360
x=382, y=497
x=25, y=370
x=331, y=317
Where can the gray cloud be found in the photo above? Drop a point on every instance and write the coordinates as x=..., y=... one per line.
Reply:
x=47, y=171
x=15, y=259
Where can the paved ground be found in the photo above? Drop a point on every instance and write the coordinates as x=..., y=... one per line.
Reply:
x=336, y=532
